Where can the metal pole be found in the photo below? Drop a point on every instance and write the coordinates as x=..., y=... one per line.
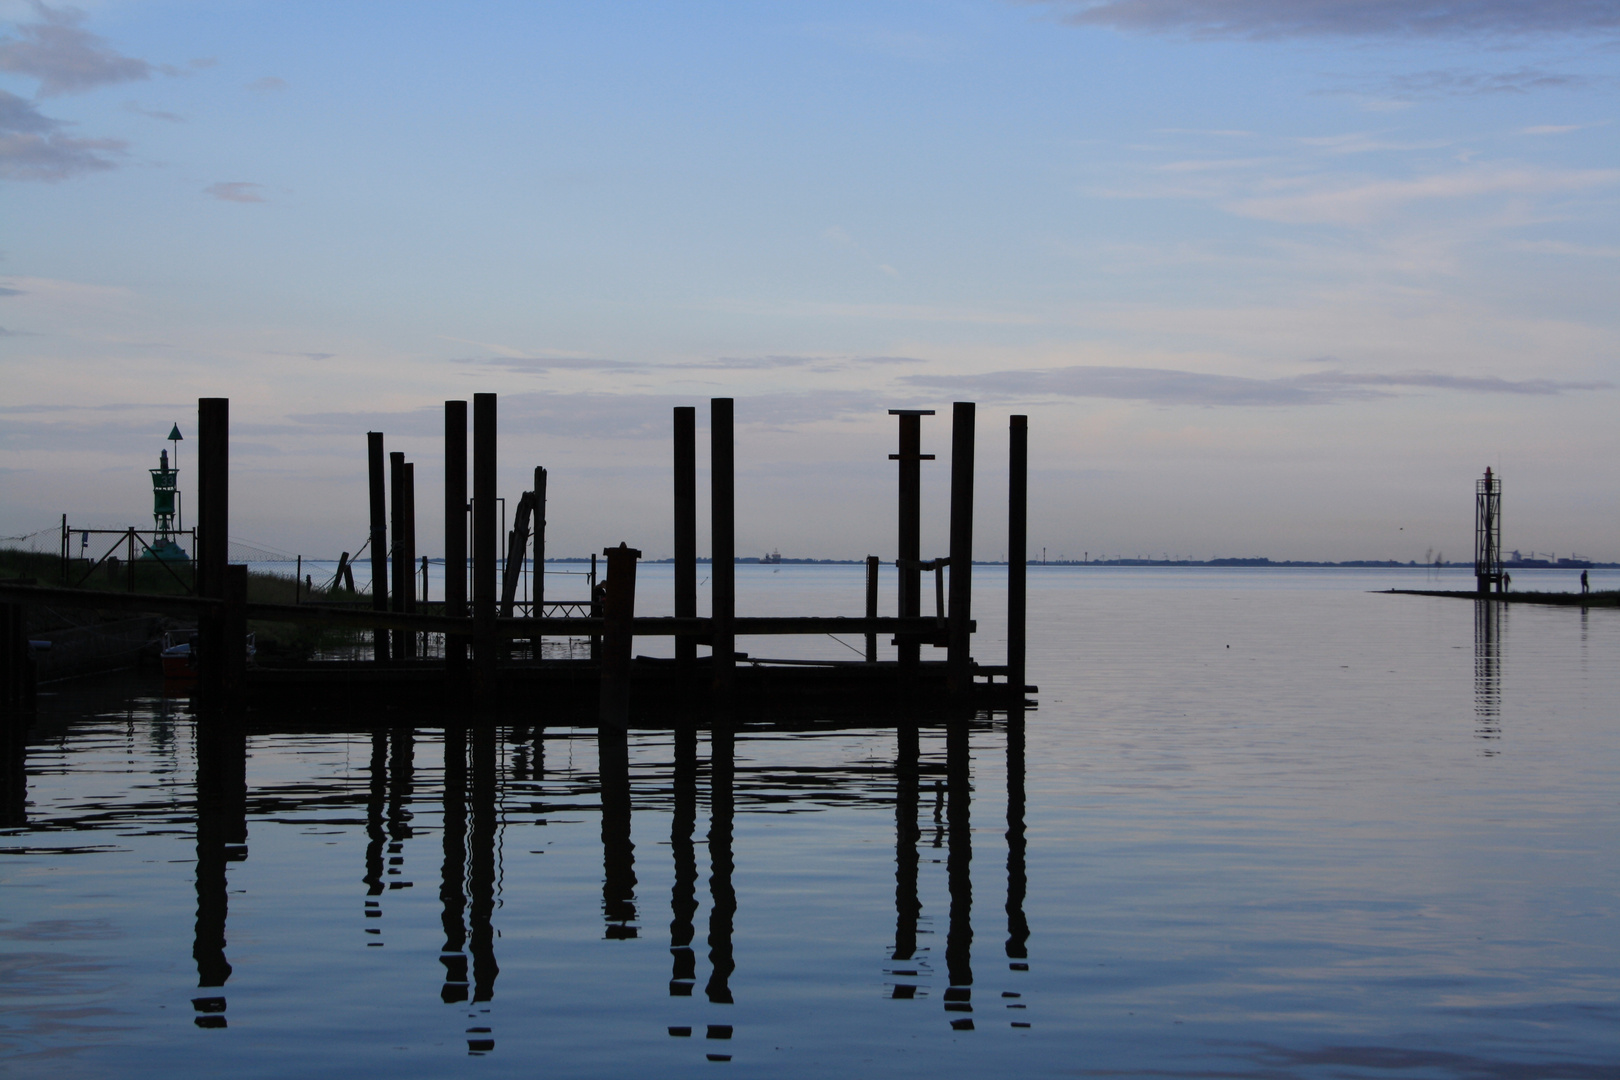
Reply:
x=455, y=529
x=379, y=539
x=1017, y=546
x=617, y=619
x=910, y=458
x=685, y=528
x=485, y=542
x=960, y=671
x=723, y=518
x=213, y=541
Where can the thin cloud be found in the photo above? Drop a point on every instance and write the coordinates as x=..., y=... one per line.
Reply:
x=238, y=191
x=153, y=114
x=5, y=291
x=1362, y=202
x=1273, y=19
x=1523, y=80
x=64, y=57
x=267, y=85
x=33, y=146
x=1164, y=386
x=540, y=365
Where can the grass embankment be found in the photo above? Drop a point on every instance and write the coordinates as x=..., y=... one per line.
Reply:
x=1610, y=598
x=274, y=640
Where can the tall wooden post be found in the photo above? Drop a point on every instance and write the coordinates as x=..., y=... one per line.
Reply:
x=909, y=556
x=398, y=565
x=959, y=658
x=234, y=620
x=455, y=531
x=618, y=616
x=1017, y=548
x=213, y=540
x=407, y=540
x=538, y=610
x=484, y=542
x=379, y=539
x=723, y=517
x=871, y=605
x=685, y=528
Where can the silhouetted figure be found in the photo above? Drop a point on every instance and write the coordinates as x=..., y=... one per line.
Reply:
x=1586, y=585
x=959, y=938
x=683, y=903
x=723, y=898
x=221, y=839
x=618, y=853
x=453, y=873
x=481, y=865
x=907, y=908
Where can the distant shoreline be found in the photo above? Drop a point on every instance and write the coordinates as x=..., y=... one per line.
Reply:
x=1380, y=564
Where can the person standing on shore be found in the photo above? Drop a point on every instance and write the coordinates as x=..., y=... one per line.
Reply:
x=1585, y=585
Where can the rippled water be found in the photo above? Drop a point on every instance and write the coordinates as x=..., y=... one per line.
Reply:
x=1262, y=824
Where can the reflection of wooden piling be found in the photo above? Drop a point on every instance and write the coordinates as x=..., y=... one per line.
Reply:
x=1017, y=548
x=213, y=540
x=958, y=859
x=685, y=528
x=723, y=570
x=379, y=538
x=484, y=542
x=618, y=617
x=909, y=555
x=960, y=635
x=871, y=605
x=455, y=530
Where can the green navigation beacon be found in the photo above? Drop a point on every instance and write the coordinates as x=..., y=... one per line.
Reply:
x=166, y=505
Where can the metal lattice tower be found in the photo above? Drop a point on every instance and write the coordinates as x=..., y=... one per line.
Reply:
x=1488, y=532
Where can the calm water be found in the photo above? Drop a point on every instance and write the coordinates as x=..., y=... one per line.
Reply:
x=1263, y=824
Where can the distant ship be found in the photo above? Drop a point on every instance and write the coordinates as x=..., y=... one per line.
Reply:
x=774, y=557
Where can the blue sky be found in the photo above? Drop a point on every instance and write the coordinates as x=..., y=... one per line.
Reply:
x=1269, y=276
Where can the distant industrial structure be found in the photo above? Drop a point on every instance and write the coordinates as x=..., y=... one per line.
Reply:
x=1488, y=533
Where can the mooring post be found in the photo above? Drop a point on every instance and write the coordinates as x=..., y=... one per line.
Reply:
x=235, y=632
x=213, y=540
x=685, y=529
x=398, y=568
x=617, y=621
x=538, y=610
x=379, y=540
x=407, y=540
x=871, y=606
x=909, y=556
x=1017, y=548
x=485, y=543
x=958, y=657
x=723, y=571
x=455, y=532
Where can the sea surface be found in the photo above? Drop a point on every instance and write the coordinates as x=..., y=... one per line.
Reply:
x=1262, y=823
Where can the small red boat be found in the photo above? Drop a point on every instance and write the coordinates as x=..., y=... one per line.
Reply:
x=179, y=659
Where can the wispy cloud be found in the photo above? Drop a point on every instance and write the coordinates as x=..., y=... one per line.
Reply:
x=153, y=114
x=33, y=146
x=65, y=57
x=1264, y=19
x=239, y=191
x=1361, y=201
x=267, y=85
x=1165, y=386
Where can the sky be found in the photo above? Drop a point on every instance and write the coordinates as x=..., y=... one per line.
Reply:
x=1269, y=277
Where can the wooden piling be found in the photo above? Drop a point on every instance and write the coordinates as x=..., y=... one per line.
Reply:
x=723, y=518
x=618, y=620
x=234, y=626
x=455, y=531
x=958, y=657
x=871, y=605
x=909, y=556
x=379, y=539
x=539, y=598
x=484, y=543
x=1017, y=547
x=407, y=540
x=213, y=539
x=685, y=528
x=399, y=568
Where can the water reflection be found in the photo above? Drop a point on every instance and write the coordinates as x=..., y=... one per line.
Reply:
x=221, y=839
x=959, y=937
x=683, y=903
x=1488, y=672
